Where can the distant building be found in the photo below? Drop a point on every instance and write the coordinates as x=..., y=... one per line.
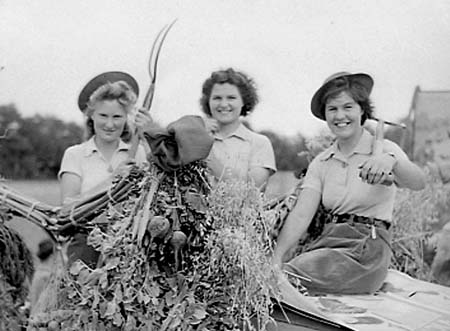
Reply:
x=430, y=118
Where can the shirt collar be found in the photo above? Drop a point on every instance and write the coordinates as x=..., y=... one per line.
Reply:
x=364, y=146
x=91, y=148
x=242, y=132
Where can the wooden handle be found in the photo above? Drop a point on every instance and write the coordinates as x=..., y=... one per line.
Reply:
x=377, y=149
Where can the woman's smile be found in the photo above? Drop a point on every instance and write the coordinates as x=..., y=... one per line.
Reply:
x=225, y=103
x=343, y=116
x=109, y=120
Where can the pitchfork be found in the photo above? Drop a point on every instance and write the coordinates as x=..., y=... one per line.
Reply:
x=152, y=72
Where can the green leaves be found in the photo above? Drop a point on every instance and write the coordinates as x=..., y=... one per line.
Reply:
x=218, y=278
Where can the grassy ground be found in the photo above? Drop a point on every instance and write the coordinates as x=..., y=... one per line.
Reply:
x=46, y=191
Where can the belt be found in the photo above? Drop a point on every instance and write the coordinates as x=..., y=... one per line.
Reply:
x=352, y=218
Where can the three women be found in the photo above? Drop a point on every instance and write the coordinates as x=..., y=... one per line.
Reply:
x=353, y=253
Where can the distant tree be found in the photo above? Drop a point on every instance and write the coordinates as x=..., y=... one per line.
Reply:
x=35, y=147
x=287, y=151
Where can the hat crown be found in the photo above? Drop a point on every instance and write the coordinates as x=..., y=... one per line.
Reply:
x=102, y=79
x=336, y=75
x=362, y=79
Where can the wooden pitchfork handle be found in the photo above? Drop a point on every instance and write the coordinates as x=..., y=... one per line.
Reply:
x=377, y=149
x=152, y=71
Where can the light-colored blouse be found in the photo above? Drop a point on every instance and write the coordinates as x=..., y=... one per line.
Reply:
x=243, y=150
x=86, y=161
x=336, y=177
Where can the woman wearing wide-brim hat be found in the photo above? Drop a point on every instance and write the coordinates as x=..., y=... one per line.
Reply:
x=106, y=101
x=345, y=184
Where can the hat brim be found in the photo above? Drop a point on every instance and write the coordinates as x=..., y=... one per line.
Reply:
x=102, y=79
x=316, y=101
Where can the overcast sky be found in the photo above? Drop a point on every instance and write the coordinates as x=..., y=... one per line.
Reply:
x=50, y=49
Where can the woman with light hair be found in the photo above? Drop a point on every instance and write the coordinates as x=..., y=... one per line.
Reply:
x=106, y=101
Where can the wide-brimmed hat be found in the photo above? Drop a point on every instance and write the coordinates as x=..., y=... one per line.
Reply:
x=317, y=100
x=102, y=79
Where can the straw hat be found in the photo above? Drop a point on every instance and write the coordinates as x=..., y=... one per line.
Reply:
x=317, y=103
x=102, y=79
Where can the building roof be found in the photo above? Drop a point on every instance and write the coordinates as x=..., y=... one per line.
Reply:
x=430, y=112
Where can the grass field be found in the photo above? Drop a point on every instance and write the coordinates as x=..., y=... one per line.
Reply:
x=46, y=191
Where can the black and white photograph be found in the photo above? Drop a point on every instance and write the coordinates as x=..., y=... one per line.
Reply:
x=235, y=165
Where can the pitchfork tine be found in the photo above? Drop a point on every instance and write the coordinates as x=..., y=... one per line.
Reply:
x=160, y=47
x=152, y=52
x=159, y=40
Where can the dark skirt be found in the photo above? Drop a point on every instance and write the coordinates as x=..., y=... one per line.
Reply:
x=345, y=258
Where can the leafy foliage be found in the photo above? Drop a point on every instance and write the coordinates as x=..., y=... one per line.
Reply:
x=220, y=279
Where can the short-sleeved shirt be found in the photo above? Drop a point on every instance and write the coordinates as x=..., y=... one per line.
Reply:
x=243, y=150
x=86, y=161
x=336, y=177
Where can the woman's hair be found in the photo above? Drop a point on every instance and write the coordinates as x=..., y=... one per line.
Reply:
x=119, y=91
x=245, y=85
x=354, y=89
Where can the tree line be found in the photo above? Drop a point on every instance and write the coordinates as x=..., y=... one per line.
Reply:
x=32, y=147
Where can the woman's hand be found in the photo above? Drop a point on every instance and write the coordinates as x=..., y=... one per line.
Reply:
x=124, y=168
x=143, y=120
x=378, y=168
x=211, y=124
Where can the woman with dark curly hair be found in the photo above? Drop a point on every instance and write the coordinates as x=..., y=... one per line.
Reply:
x=237, y=152
x=352, y=253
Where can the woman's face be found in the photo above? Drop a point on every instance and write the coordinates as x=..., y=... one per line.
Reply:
x=343, y=116
x=109, y=119
x=225, y=103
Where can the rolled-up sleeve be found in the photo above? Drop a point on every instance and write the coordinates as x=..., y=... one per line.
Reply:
x=263, y=154
x=312, y=178
x=71, y=163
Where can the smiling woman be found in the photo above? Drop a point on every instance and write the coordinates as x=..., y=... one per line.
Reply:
x=106, y=101
x=345, y=186
x=237, y=153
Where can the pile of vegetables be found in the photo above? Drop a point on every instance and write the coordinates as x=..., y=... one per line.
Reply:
x=175, y=255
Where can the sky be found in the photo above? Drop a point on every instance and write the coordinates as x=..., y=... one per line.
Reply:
x=50, y=49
